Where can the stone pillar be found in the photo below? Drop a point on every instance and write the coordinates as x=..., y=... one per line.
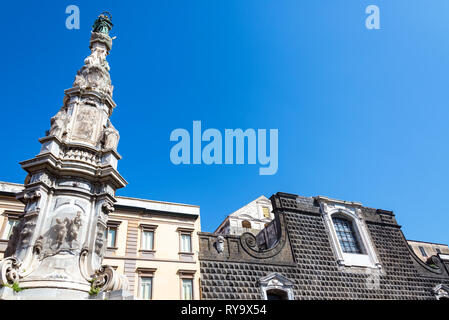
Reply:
x=57, y=249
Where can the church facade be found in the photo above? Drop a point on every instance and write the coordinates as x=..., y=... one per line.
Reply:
x=320, y=248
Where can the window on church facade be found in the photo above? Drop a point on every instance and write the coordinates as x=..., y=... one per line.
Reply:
x=266, y=212
x=276, y=294
x=346, y=235
x=246, y=224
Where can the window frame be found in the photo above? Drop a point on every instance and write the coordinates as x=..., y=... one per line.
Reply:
x=147, y=228
x=181, y=248
x=350, y=211
x=248, y=223
x=141, y=280
x=275, y=281
x=423, y=252
x=146, y=273
x=186, y=275
x=142, y=242
x=354, y=234
x=268, y=216
x=112, y=224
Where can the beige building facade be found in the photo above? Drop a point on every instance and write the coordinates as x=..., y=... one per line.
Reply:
x=153, y=243
x=424, y=250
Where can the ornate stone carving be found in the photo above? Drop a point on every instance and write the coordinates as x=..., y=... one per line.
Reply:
x=27, y=231
x=219, y=244
x=107, y=279
x=250, y=245
x=9, y=270
x=31, y=196
x=61, y=231
x=66, y=231
x=107, y=207
x=37, y=248
x=80, y=154
x=111, y=137
x=85, y=123
x=441, y=291
x=99, y=241
x=94, y=75
x=41, y=177
x=73, y=228
x=59, y=124
x=60, y=239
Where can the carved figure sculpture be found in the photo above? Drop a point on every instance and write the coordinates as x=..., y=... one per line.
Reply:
x=61, y=231
x=27, y=231
x=58, y=124
x=110, y=137
x=38, y=245
x=99, y=243
x=73, y=228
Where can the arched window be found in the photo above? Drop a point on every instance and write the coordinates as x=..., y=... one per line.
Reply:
x=346, y=235
x=246, y=224
x=349, y=235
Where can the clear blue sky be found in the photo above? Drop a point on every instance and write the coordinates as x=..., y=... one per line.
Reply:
x=363, y=115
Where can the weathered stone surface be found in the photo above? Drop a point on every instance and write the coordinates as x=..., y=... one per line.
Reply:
x=315, y=272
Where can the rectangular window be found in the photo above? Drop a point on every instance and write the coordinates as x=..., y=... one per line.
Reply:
x=187, y=289
x=146, y=287
x=423, y=252
x=186, y=243
x=10, y=224
x=112, y=235
x=266, y=212
x=147, y=240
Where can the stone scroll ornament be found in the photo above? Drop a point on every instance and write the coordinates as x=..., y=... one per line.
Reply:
x=107, y=279
x=249, y=243
x=9, y=271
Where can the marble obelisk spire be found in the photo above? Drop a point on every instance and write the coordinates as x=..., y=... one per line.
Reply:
x=57, y=249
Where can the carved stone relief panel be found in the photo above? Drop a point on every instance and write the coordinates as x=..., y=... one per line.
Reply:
x=86, y=124
x=65, y=228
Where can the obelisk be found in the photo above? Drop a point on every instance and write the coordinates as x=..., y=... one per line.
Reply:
x=56, y=251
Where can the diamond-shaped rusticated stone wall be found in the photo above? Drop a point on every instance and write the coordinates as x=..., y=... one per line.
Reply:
x=314, y=269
